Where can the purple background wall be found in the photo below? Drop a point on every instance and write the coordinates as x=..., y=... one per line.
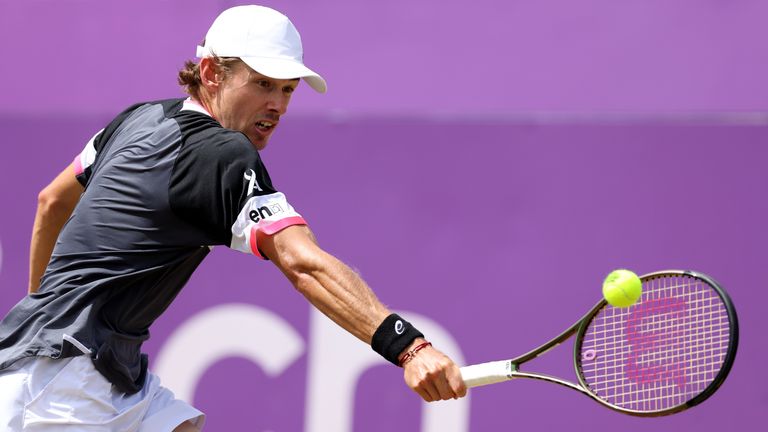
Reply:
x=405, y=57
x=489, y=165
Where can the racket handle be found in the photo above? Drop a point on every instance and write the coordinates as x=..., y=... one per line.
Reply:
x=487, y=373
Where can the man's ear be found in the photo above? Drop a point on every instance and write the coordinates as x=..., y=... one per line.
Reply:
x=210, y=75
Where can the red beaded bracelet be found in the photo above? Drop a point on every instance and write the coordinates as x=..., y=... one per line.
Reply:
x=409, y=355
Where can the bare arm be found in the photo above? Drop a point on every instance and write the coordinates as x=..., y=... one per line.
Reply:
x=54, y=206
x=340, y=293
x=331, y=286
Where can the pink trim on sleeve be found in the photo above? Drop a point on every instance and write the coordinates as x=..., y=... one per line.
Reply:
x=252, y=241
x=272, y=229
x=78, y=165
x=283, y=224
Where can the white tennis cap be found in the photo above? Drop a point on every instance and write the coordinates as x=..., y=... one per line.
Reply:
x=264, y=39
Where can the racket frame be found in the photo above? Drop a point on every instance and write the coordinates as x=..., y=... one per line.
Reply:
x=497, y=371
x=733, y=342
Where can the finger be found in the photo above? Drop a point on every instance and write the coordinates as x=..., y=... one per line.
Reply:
x=430, y=389
x=444, y=388
x=424, y=394
x=457, y=384
x=418, y=386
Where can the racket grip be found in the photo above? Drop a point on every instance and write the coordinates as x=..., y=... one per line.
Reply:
x=487, y=373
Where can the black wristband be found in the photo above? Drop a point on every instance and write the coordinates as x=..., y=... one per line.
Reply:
x=393, y=336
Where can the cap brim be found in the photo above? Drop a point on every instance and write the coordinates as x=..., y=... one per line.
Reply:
x=286, y=69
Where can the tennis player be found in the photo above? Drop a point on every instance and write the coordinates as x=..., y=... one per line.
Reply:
x=119, y=232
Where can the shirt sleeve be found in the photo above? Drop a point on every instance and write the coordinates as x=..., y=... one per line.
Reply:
x=220, y=184
x=84, y=162
x=85, y=159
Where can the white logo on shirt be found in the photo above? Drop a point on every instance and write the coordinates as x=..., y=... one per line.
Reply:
x=250, y=175
x=399, y=327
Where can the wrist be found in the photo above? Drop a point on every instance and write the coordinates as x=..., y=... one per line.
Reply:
x=394, y=337
x=410, y=347
x=409, y=353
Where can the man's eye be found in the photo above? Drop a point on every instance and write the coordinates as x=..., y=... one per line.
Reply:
x=264, y=83
x=289, y=90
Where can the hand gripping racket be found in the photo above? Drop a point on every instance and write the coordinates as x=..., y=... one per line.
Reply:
x=666, y=353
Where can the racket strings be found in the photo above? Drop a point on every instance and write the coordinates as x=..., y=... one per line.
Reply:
x=661, y=352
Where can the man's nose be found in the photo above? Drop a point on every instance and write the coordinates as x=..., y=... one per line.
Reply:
x=278, y=102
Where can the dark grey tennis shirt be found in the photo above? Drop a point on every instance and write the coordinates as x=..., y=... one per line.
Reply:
x=163, y=181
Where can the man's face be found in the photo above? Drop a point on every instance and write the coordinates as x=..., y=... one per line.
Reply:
x=252, y=103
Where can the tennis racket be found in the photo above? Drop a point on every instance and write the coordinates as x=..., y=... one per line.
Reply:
x=668, y=352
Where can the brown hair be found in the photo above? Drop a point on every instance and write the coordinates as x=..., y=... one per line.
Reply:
x=189, y=76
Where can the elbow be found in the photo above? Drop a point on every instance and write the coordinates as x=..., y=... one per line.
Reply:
x=49, y=202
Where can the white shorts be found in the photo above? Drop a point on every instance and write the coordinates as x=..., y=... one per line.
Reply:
x=70, y=395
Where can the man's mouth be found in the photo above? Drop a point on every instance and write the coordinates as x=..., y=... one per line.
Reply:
x=265, y=126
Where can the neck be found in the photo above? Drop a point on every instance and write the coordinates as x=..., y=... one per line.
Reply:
x=206, y=102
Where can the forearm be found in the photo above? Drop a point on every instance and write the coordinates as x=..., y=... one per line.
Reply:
x=55, y=204
x=45, y=231
x=342, y=295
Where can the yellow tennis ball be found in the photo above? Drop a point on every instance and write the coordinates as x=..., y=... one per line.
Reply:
x=622, y=288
